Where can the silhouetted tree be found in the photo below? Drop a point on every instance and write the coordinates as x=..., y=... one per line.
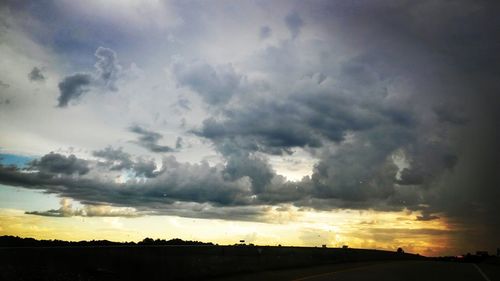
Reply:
x=147, y=241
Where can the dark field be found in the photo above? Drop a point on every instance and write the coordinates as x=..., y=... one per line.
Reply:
x=409, y=270
x=170, y=262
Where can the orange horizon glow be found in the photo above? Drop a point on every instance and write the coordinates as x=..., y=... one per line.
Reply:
x=357, y=229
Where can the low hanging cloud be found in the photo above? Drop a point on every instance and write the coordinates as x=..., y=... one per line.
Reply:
x=107, y=72
x=115, y=159
x=246, y=180
x=149, y=140
x=55, y=163
x=67, y=210
x=197, y=183
x=427, y=217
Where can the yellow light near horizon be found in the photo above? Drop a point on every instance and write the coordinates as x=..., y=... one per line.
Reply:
x=366, y=229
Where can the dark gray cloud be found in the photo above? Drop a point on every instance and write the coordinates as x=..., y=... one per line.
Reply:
x=294, y=23
x=115, y=159
x=451, y=60
x=175, y=182
x=246, y=183
x=427, y=161
x=265, y=32
x=118, y=160
x=241, y=163
x=149, y=139
x=215, y=84
x=145, y=168
x=427, y=89
x=413, y=176
x=302, y=120
x=107, y=72
x=454, y=116
x=360, y=174
x=72, y=87
x=207, y=211
x=36, y=75
x=55, y=163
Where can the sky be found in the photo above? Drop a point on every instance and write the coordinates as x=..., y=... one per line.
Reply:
x=373, y=124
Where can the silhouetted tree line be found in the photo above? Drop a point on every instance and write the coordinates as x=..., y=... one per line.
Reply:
x=14, y=241
x=175, y=241
x=471, y=258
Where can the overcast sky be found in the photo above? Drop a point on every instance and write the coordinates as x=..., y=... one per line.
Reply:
x=248, y=111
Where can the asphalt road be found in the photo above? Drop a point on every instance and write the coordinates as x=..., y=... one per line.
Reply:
x=386, y=271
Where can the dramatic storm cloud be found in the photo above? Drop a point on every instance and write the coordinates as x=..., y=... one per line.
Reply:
x=384, y=106
x=55, y=163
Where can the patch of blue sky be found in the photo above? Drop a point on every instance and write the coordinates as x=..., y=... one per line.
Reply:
x=22, y=198
x=26, y=199
x=19, y=161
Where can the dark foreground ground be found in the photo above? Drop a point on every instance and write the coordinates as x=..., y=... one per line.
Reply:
x=385, y=271
x=168, y=262
x=225, y=263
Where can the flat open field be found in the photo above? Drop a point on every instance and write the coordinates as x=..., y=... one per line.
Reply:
x=170, y=262
x=381, y=271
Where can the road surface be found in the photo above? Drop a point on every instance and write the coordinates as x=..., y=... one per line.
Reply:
x=386, y=271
